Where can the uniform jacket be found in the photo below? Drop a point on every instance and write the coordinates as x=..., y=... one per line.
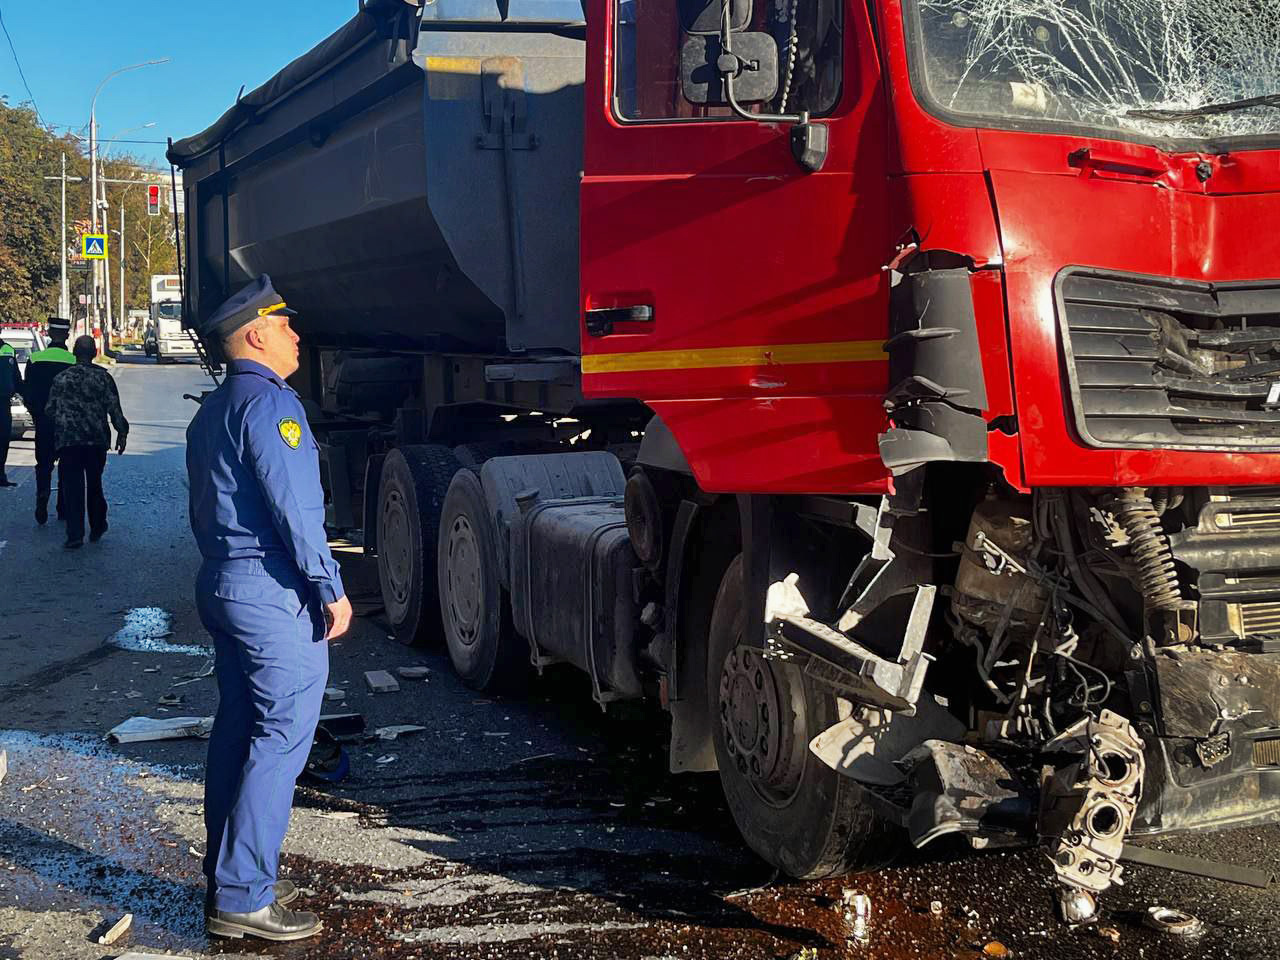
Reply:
x=10, y=376
x=43, y=366
x=81, y=401
x=254, y=473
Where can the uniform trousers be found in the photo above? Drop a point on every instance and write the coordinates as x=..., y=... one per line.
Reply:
x=80, y=478
x=6, y=428
x=272, y=664
x=45, y=457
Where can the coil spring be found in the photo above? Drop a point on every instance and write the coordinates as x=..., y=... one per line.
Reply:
x=1149, y=546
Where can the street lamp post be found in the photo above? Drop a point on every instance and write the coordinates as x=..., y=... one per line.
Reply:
x=120, y=254
x=93, y=168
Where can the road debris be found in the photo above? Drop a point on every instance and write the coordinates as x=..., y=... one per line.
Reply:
x=340, y=814
x=1110, y=934
x=334, y=693
x=413, y=673
x=386, y=758
x=132, y=955
x=1174, y=922
x=139, y=729
x=170, y=700
x=118, y=930
x=857, y=914
x=145, y=630
x=935, y=907
x=4, y=765
x=202, y=673
x=339, y=725
x=805, y=953
x=390, y=733
x=997, y=950
x=379, y=681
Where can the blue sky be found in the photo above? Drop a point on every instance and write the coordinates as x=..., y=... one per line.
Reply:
x=215, y=47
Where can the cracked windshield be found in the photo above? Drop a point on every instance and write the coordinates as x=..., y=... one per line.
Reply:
x=1136, y=66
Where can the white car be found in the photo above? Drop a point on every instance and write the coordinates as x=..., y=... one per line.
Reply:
x=25, y=341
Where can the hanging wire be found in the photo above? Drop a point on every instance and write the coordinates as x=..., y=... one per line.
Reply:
x=18, y=63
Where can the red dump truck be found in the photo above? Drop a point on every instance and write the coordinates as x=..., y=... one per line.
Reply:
x=888, y=389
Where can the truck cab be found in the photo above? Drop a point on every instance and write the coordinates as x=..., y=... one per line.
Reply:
x=888, y=390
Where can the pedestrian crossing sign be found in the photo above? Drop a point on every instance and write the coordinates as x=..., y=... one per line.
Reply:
x=94, y=246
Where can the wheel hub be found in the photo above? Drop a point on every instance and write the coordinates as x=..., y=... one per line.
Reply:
x=395, y=544
x=756, y=715
x=465, y=599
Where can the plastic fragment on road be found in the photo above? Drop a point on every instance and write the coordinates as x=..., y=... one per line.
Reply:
x=140, y=729
x=4, y=765
x=935, y=907
x=413, y=673
x=390, y=733
x=133, y=955
x=1110, y=934
x=340, y=725
x=997, y=950
x=118, y=930
x=334, y=693
x=386, y=758
x=379, y=681
x=170, y=700
x=1174, y=922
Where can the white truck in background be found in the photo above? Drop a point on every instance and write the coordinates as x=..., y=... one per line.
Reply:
x=172, y=341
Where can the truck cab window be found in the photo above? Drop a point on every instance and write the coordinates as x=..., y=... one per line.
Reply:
x=649, y=36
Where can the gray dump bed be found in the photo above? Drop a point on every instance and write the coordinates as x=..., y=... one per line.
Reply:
x=405, y=184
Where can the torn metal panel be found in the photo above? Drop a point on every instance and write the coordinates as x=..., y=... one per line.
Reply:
x=961, y=789
x=1201, y=690
x=867, y=745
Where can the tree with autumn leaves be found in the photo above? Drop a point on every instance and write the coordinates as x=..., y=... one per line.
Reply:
x=30, y=218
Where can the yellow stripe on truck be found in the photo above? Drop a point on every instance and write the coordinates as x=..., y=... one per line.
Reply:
x=845, y=351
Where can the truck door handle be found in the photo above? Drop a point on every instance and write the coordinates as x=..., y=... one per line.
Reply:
x=600, y=322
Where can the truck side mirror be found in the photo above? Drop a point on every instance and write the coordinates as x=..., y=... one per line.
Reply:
x=753, y=64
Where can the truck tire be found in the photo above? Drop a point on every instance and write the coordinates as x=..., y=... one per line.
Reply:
x=410, y=497
x=791, y=808
x=483, y=645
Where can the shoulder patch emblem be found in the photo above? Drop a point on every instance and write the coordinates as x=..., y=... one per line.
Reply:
x=291, y=432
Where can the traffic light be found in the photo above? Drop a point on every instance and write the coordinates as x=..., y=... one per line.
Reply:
x=153, y=200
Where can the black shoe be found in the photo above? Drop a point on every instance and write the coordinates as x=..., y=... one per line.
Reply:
x=74, y=544
x=42, y=513
x=96, y=535
x=272, y=922
x=284, y=890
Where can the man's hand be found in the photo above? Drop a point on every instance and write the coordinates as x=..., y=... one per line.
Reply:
x=338, y=614
x=120, y=442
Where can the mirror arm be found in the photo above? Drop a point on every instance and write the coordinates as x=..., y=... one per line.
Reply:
x=808, y=140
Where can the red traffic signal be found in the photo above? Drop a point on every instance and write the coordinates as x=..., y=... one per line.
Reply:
x=153, y=200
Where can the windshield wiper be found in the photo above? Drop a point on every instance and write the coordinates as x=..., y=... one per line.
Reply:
x=1208, y=110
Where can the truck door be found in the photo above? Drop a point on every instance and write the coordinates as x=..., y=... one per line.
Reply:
x=738, y=294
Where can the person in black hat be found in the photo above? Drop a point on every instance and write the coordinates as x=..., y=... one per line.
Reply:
x=270, y=595
x=43, y=366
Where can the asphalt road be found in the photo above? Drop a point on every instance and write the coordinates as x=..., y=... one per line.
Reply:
x=530, y=827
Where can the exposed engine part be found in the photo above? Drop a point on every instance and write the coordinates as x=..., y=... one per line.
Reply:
x=1076, y=906
x=1149, y=548
x=1087, y=804
x=992, y=584
x=830, y=657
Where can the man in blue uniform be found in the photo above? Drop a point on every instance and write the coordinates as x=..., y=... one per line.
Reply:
x=270, y=594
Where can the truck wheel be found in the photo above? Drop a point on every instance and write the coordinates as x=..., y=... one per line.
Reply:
x=410, y=497
x=790, y=807
x=483, y=645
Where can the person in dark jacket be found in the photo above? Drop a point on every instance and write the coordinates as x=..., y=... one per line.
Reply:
x=43, y=366
x=81, y=401
x=10, y=383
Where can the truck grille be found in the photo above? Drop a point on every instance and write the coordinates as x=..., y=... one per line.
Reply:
x=1171, y=363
